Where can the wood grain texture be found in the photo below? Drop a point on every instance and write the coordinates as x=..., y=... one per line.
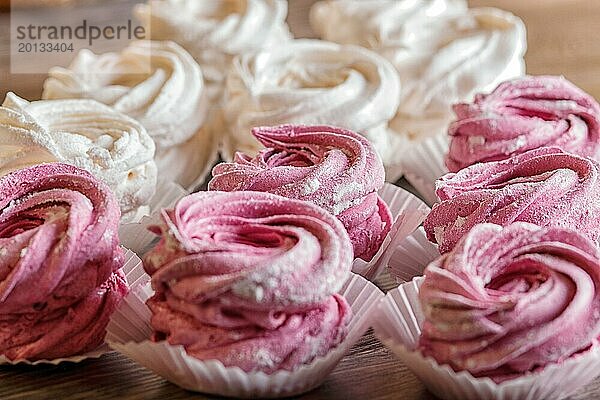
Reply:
x=562, y=40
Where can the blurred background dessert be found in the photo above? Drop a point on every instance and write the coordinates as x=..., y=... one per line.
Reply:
x=33, y=3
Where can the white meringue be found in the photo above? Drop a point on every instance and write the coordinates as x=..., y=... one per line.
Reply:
x=443, y=53
x=310, y=82
x=84, y=133
x=160, y=85
x=215, y=31
x=372, y=23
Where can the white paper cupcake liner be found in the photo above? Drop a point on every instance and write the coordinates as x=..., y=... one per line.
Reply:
x=408, y=212
x=129, y=331
x=99, y=352
x=411, y=256
x=423, y=164
x=398, y=326
x=132, y=263
x=135, y=236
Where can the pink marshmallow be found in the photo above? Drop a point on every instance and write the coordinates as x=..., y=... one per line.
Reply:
x=250, y=279
x=545, y=187
x=510, y=300
x=59, y=269
x=331, y=167
x=524, y=114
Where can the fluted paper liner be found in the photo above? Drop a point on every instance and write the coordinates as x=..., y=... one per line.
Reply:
x=411, y=256
x=408, y=212
x=99, y=352
x=129, y=331
x=132, y=262
x=423, y=164
x=136, y=236
x=398, y=326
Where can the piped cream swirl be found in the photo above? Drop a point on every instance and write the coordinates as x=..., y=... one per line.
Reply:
x=508, y=301
x=216, y=31
x=310, y=82
x=250, y=279
x=84, y=133
x=524, y=114
x=157, y=83
x=60, y=276
x=443, y=52
x=545, y=186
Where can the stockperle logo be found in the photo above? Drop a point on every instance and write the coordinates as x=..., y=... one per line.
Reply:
x=46, y=37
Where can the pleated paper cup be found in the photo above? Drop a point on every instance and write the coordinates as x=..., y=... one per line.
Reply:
x=129, y=331
x=398, y=326
x=135, y=236
x=99, y=352
x=411, y=256
x=423, y=164
x=132, y=262
x=408, y=212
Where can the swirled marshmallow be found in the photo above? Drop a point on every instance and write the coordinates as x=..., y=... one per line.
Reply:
x=60, y=261
x=333, y=168
x=83, y=133
x=216, y=31
x=524, y=114
x=310, y=82
x=371, y=23
x=250, y=279
x=545, y=187
x=157, y=83
x=509, y=301
x=443, y=53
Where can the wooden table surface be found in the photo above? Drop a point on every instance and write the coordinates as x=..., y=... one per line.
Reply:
x=562, y=39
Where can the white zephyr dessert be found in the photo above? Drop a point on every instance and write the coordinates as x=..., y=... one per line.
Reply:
x=214, y=31
x=310, y=82
x=372, y=24
x=443, y=52
x=160, y=85
x=113, y=147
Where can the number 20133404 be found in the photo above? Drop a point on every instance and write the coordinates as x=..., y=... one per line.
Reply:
x=45, y=47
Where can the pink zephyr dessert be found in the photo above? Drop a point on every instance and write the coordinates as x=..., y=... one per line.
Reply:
x=60, y=262
x=524, y=114
x=507, y=301
x=250, y=279
x=333, y=168
x=545, y=186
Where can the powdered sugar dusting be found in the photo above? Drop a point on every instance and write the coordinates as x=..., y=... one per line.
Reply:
x=521, y=114
x=272, y=263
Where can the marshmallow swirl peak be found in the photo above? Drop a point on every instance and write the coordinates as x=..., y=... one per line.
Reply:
x=310, y=82
x=509, y=301
x=215, y=31
x=157, y=83
x=113, y=147
x=443, y=52
x=545, y=186
x=333, y=168
x=250, y=279
x=60, y=262
x=524, y=114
